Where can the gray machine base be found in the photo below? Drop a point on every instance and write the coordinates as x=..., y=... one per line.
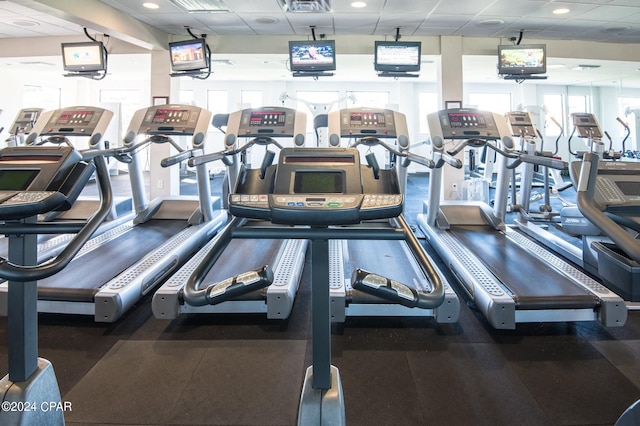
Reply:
x=33, y=402
x=322, y=406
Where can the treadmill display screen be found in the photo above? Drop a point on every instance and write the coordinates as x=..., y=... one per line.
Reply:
x=16, y=179
x=303, y=159
x=268, y=118
x=325, y=182
x=466, y=119
x=366, y=119
x=74, y=117
x=171, y=116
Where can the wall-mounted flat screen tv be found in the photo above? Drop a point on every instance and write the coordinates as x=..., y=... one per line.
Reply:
x=397, y=56
x=312, y=56
x=189, y=55
x=84, y=56
x=522, y=59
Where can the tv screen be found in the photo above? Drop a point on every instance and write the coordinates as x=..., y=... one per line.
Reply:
x=84, y=56
x=311, y=56
x=522, y=59
x=188, y=55
x=397, y=56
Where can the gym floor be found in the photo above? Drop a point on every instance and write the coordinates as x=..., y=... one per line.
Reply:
x=247, y=370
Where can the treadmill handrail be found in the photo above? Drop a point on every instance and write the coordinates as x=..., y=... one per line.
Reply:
x=517, y=156
x=121, y=153
x=373, y=140
x=586, y=204
x=539, y=160
x=192, y=293
x=11, y=271
x=215, y=156
x=426, y=300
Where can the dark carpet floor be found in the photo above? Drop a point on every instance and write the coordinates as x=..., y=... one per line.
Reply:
x=247, y=370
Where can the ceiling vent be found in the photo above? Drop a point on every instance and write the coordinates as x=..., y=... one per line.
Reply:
x=202, y=6
x=309, y=6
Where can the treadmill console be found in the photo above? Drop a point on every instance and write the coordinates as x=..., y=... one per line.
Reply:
x=617, y=184
x=39, y=179
x=467, y=123
x=361, y=122
x=172, y=119
x=73, y=121
x=317, y=186
x=586, y=125
x=266, y=121
x=24, y=121
x=521, y=124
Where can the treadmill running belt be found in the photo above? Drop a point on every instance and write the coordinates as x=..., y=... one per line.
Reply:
x=242, y=255
x=534, y=283
x=84, y=276
x=386, y=258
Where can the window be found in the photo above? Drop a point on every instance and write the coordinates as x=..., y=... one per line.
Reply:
x=218, y=101
x=629, y=111
x=251, y=98
x=496, y=102
x=427, y=103
x=554, y=108
x=185, y=97
x=370, y=99
x=129, y=101
x=47, y=98
x=577, y=103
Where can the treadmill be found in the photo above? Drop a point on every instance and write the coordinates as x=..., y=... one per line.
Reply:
x=53, y=128
x=225, y=258
x=33, y=181
x=608, y=194
x=510, y=278
x=321, y=194
x=22, y=126
x=576, y=245
x=112, y=273
x=404, y=260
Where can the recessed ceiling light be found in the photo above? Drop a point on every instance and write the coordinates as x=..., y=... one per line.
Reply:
x=25, y=23
x=266, y=20
x=561, y=11
x=358, y=4
x=150, y=5
x=490, y=22
x=617, y=29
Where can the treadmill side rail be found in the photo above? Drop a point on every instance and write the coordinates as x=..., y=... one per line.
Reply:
x=123, y=291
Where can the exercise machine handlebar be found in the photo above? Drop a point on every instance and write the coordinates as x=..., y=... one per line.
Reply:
x=585, y=196
x=11, y=271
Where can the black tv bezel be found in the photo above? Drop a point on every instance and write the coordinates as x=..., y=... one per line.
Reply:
x=102, y=66
x=298, y=68
x=184, y=68
x=524, y=71
x=397, y=67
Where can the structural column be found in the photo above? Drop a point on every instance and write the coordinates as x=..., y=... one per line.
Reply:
x=450, y=79
x=162, y=181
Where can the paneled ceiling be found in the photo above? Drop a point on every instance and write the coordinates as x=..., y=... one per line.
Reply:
x=594, y=20
x=611, y=21
x=615, y=21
